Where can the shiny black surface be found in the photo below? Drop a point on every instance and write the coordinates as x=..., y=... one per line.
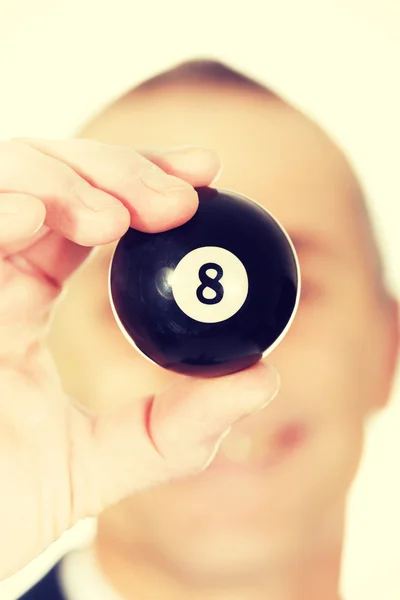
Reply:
x=146, y=307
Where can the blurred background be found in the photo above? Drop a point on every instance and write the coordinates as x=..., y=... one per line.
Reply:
x=337, y=60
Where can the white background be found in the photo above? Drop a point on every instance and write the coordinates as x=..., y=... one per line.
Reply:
x=336, y=59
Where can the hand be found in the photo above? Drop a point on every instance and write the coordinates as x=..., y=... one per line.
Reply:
x=58, y=464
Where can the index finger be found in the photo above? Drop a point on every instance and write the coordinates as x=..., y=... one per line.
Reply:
x=156, y=186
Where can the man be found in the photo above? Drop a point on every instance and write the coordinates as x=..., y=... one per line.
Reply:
x=266, y=519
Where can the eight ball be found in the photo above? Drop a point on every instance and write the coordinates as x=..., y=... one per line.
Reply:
x=212, y=296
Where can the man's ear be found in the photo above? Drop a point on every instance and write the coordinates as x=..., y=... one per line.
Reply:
x=391, y=347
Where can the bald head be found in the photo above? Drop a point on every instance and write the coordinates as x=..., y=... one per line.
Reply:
x=270, y=151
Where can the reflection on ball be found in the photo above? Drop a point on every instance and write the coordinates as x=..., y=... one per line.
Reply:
x=212, y=296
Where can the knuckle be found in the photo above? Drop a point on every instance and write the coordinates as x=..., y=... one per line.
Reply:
x=128, y=182
x=128, y=164
x=131, y=170
x=137, y=171
x=76, y=187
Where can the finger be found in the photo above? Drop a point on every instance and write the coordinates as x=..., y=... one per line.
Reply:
x=187, y=421
x=74, y=209
x=51, y=259
x=29, y=248
x=197, y=166
x=155, y=200
x=35, y=250
x=173, y=435
x=31, y=280
x=21, y=216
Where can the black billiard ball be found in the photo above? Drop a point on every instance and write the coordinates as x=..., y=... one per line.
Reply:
x=212, y=296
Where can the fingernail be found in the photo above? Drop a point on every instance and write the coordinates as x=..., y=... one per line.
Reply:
x=271, y=390
x=159, y=181
x=217, y=438
x=182, y=149
x=217, y=445
x=218, y=174
x=8, y=207
x=223, y=435
x=274, y=385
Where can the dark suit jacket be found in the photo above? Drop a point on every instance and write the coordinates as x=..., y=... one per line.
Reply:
x=47, y=588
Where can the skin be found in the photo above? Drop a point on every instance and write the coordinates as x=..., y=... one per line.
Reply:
x=60, y=463
x=275, y=533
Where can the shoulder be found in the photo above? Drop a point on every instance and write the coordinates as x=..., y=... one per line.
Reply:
x=47, y=588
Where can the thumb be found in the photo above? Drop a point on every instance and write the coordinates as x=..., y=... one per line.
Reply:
x=172, y=435
x=188, y=421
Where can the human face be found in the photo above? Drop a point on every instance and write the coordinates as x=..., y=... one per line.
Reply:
x=282, y=473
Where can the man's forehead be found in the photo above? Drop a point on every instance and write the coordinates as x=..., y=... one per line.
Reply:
x=309, y=193
x=270, y=152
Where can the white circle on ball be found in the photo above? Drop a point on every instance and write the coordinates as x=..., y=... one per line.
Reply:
x=223, y=282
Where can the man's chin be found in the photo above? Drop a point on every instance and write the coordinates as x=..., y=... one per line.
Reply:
x=229, y=555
